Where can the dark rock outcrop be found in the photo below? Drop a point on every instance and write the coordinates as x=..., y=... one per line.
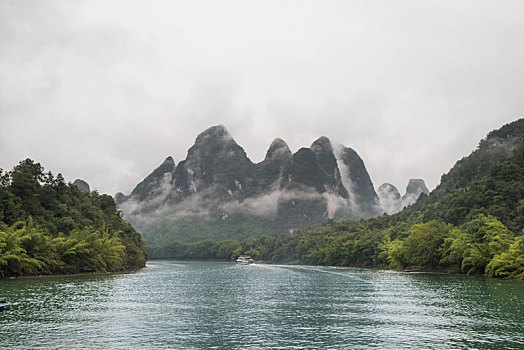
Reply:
x=82, y=185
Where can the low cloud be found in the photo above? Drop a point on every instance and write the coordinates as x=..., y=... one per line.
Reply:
x=204, y=206
x=390, y=200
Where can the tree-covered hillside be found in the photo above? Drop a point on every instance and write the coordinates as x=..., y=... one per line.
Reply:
x=489, y=181
x=50, y=227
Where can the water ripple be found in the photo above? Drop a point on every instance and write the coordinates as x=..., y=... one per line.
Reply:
x=210, y=305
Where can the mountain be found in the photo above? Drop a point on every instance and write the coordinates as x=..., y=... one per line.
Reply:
x=218, y=192
x=326, y=160
x=497, y=146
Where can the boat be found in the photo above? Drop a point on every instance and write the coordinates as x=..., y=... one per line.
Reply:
x=245, y=260
x=4, y=303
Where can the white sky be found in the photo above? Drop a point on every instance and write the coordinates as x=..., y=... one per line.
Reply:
x=105, y=90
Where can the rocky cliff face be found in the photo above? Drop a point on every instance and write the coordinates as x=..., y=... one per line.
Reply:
x=218, y=184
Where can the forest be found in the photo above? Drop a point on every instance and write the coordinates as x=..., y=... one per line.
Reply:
x=472, y=223
x=50, y=227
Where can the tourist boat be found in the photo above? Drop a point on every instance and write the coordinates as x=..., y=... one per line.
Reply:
x=245, y=260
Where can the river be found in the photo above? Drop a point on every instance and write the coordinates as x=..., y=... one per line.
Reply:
x=218, y=305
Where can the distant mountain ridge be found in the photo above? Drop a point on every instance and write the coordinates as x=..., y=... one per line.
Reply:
x=218, y=192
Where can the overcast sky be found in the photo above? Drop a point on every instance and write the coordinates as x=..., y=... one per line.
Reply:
x=105, y=90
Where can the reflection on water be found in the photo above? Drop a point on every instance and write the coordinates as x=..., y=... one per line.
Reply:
x=212, y=305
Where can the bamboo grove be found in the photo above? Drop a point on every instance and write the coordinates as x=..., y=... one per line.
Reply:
x=50, y=227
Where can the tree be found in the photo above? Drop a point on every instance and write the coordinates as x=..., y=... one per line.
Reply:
x=487, y=237
x=510, y=263
x=422, y=247
x=453, y=248
x=14, y=260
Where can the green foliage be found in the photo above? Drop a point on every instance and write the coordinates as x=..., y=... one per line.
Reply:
x=510, y=263
x=203, y=250
x=421, y=248
x=240, y=227
x=452, y=250
x=496, y=147
x=48, y=226
x=486, y=238
x=394, y=254
x=481, y=246
x=496, y=187
x=14, y=258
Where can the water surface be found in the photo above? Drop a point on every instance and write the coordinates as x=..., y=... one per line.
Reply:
x=213, y=305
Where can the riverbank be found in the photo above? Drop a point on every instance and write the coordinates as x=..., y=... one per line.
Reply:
x=73, y=274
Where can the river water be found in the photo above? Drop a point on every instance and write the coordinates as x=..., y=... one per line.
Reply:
x=216, y=305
